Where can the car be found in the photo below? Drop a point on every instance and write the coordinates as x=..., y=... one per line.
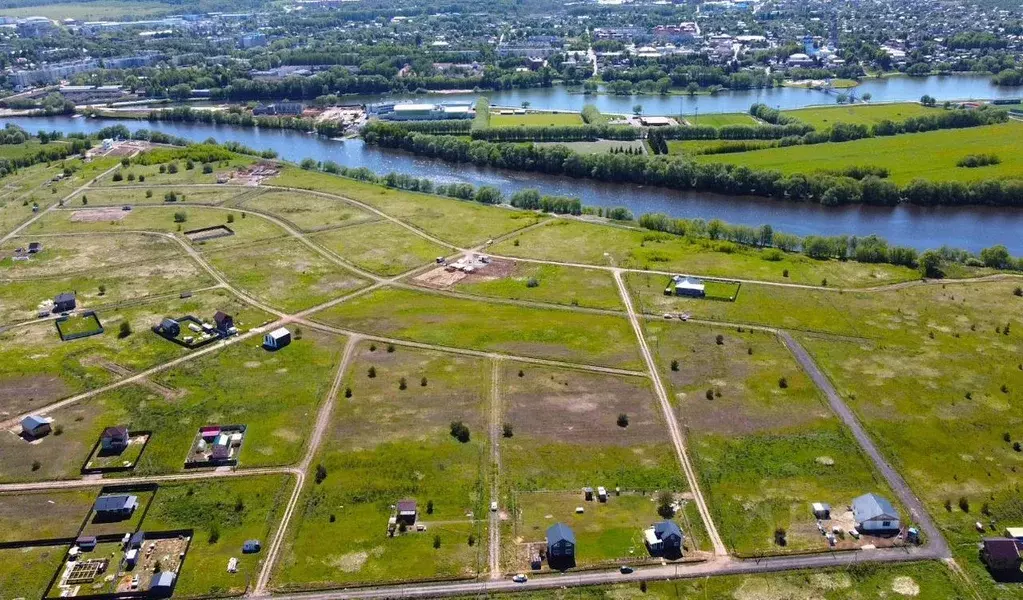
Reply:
x=520, y=578
x=625, y=569
x=135, y=582
x=493, y=506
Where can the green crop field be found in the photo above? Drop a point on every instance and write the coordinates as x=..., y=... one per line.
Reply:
x=823, y=117
x=935, y=154
x=534, y=119
x=720, y=119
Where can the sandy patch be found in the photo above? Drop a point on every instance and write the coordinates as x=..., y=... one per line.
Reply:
x=905, y=586
x=98, y=215
x=252, y=364
x=287, y=434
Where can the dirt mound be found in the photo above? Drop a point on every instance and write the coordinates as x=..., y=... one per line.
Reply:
x=98, y=215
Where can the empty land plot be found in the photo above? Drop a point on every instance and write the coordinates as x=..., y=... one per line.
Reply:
x=35, y=185
x=721, y=119
x=183, y=176
x=935, y=154
x=307, y=211
x=766, y=444
x=144, y=194
x=164, y=218
x=242, y=384
x=535, y=119
x=35, y=567
x=20, y=299
x=436, y=319
x=567, y=240
x=383, y=247
x=455, y=221
x=224, y=514
x=285, y=273
x=387, y=444
x=566, y=436
x=555, y=284
x=67, y=254
x=43, y=515
x=823, y=117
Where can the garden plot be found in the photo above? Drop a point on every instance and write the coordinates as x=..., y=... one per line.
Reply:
x=571, y=430
x=285, y=273
x=387, y=444
x=383, y=247
x=306, y=211
x=765, y=443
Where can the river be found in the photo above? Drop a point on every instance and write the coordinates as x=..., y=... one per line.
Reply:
x=971, y=228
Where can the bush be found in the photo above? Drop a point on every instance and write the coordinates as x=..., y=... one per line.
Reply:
x=321, y=473
x=783, y=383
x=390, y=347
x=972, y=161
x=149, y=193
x=230, y=218
x=436, y=542
x=472, y=540
x=372, y=372
x=779, y=536
x=507, y=430
x=207, y=169
x=402, y=384
x=422, y=382
x=117, y=176
x=532, y=282
x=964, y=504
x=1018, y=291
x=36, y=465
x=214, y=534
x=348, y=392
x=459, y=431
x=665, y=506
x=180, y=217
x=172, y=168
x=125, y=330
x=720, y=339
x=674, y=365
x=59, y=429
x=429, y=507
x=623, y=420
x=710, y=394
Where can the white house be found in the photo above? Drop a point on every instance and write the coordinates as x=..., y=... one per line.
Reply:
x=874, y=514
x=689, y=286
x=277, y=339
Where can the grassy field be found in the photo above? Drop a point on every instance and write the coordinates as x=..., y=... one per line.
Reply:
x=224, y=514
x=535, y=119
x=153, y=176
x=935, y=154
x=589, y=288
x=79, y=324
x=286, y=273
x=565, y=436
x=113, y=196
x=306, y=211
x=822, y=117
x=764, y=452
x=698, y=147
x=721, y=119
x=43, y=515
x=89, y=11
x=436, y=319
x=598, y=146
x=382, y=247
x=386, y=444
x=69, y=254
x=457, y=222
x=34, y=184
x=36, y=565
x=591, y=243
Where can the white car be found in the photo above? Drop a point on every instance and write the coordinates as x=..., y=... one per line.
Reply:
x=520, y=578
x=493, y=506
x=135, y=582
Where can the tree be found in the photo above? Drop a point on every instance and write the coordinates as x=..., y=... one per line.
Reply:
x=637, y=109
x=102, y=290
x=308, y=164
x=436, y=542
x=507, y=430
x=866, y=97
x=124, y=330
x=85, y=199
x=402, y=384
x=720, y=339
x=422, y=382
x=172, y=168
x=674, y=365
x=230, y=218
x=783, y=383
x=429, y=507
x=665, y=504
x=930, y=264
x=180, y=217
x=623, y=420
x=927, y=100
x=779, y=536
x=321, y=473
x=149, y=193
x=459, y=431
x=372, y=372
x=996, y=256
x=525, y=105
x=214, y=534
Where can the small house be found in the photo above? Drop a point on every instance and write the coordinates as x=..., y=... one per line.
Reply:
x=821, y=510
x=86, y=543
x=130, y=558
x=64, y=302
x=137, y=539
x=34, y=247
x=588, y=494
x=251, y=547
x=1002, y=554
x=277, y=339
x=34, y=426
x=114, y=439
x=223, y=321
x=169, y=327
x=560, y=542
x=690, y=287
x=221, y=448
x=407, y=512
x=664, y=539
x=601, y=494
x=119, y=506
x=875, y=514
x=163, y=583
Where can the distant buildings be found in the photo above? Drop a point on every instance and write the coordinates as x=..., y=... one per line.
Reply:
x=278, y=109
x=35, y=27
x=252, y=40
x=420, y=112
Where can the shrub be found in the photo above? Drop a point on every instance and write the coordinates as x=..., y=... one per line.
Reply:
x=436, y=542
x=532, y=282
x=180, y=217
x=674, y=365
x=125, y=330
x=117, y=176
x=964, y=504
x=1017, y=447
x=720, y=339
x=472, y=540
x=390, y=347
x=207, y=169
x=102, y=290
x=710, y=394
x=348, y=392
x=239, y=505
x=972, y=161
x=332, y=517
x=131, y=177
x=372, y=347
x=783, y=383
x=402, y=384
x=142, y=178
x=459, y=431
x=36, y=465
x=149, y=193
x=772, y=254
x=422, y=382
x=230, y=218
x=507, y=430
x=665, y=503
x=321, y=473
x=522, y=373
x=59, y=429
x=372, y=372
x=623, y=420
x=172, y=168
x=163, y=168
x=785, y=273
x=779, y=536
x=1006, y=437
x=429, y=507
x=214, y=534
x=1018, y=291
x=948, y=504
x=85, y=199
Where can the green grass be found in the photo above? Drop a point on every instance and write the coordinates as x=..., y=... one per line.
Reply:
x=589, y=288
x=457, y=222
x=762, y=451
x=43, y=515
x=591, y=243
x=534, y=119
x=285, y=273
x=454, y=322
x=721, y=119
x=154, y=194
x=699, y=147
x=35, y=567
x=382, y=247
x=306, y=211
x=153, y=176
x=33, y=184
x=79, y=324
x=90, y=11
x=238, y=509
x=70, y=254
x=822, y=117
x=935, y=154
x=383, y=445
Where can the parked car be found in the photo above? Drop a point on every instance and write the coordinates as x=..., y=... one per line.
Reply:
x=625, y=569
x=135, y=582
x=520, y=578
x=493, y=506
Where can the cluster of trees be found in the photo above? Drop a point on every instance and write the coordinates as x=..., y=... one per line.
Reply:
x=677, y=173
x=560, y=133
x=12, y=134
x=532, y=200
x=1009, y=77
x=592, y=115
x=972, y=161
x=242, y=118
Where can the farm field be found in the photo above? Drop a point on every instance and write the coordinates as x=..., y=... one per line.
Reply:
x=534, y=119
x=588, y=288
x=92, y=11
x=822, y=117
x=765, y=452
x=456, y=222
x=305, y=211
x=285, y=273
x=386, y=444
x=455, y=322
x=566, y=240
x=381, y=247
x=566, y=436
x=721, y=119
x=935, y=154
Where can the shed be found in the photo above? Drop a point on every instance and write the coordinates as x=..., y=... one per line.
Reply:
x=251, y=547
x=1001, y=554
x=588, y=493
x=34, y=247
x=169, y=327
x=114, y=438
x=118, y=505
x=821, y=510
x=1015, y=533
x=130, y=558
x=137, y=539
x=689, y=286
x=874, y=513
x=223, y=321
x=407, y=512
x=560, y=542
x=163, y=583
x=277, y=339
x=36, y=426
x=86, y=542
x=64, y=302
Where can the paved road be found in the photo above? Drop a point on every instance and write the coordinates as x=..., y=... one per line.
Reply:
x=669, y=416
x=935, y=541
x=495, y=467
